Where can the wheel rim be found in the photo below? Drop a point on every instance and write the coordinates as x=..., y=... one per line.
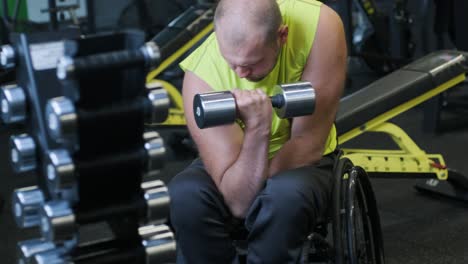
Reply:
x=357, y=232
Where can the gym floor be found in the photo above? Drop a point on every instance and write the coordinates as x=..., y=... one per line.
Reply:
x=417, y=228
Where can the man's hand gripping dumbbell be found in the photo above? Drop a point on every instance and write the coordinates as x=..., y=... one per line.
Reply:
x=220, y=108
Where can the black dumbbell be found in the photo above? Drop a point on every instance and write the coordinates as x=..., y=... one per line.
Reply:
x=219, y=108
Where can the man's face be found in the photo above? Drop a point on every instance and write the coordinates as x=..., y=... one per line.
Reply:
x=253, y=60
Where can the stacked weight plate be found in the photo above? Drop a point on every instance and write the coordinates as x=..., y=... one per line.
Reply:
x=83, y=103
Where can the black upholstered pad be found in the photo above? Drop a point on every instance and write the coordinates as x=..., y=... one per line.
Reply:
x=182, y=29
x=398, y=87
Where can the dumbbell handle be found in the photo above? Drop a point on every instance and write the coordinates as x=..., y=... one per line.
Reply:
x=277, y=101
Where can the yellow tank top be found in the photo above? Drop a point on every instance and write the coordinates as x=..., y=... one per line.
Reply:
x=301, y=17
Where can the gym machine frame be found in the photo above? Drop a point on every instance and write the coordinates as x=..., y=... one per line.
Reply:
x=390, y=45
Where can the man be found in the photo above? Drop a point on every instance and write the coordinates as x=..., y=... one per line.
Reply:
x=270, y=175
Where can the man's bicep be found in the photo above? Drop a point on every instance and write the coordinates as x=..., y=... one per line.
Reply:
x=326, y=70
x=218, y=146
x=326, y=65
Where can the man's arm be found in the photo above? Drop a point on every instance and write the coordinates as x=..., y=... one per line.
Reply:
x=236, y=160
x=326, y=70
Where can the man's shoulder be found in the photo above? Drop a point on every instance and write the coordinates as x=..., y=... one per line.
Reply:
x=299, y=11
x=207, y=63
x=210, y=43
x=206, y=51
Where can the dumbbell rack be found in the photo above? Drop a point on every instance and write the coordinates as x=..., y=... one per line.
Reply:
x=83, y=103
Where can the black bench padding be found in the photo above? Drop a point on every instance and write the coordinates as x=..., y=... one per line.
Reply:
x=181, y=30
x=398, y=87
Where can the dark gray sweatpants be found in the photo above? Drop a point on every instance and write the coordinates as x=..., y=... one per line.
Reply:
x=281, y=217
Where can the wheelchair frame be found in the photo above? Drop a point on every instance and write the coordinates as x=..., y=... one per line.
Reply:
x=353, y=208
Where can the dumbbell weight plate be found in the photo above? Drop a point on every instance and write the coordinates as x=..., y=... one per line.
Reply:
x=299, y=99
x=214, y=109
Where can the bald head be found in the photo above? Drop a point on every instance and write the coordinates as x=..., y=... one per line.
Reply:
x=237, y=21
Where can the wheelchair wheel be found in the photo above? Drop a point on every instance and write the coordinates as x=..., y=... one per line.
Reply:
x=357, y=235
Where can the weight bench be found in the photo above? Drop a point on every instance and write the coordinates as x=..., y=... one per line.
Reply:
x=369, y=109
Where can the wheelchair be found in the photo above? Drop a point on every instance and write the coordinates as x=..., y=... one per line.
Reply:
x=350, y=233
x=356, y=235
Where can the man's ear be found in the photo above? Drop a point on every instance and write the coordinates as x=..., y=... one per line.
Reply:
x=283, y=34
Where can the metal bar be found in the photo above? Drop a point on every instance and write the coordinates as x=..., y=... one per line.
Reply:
x=410, y=159
x=91, y=16
x=53, y=15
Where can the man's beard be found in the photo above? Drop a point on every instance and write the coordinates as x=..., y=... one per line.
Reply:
x=256, y=79
x=260, y=78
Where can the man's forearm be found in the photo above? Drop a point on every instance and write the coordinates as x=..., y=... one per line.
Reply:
x=295, y=153
x=242, y=181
